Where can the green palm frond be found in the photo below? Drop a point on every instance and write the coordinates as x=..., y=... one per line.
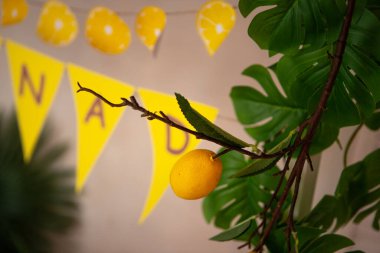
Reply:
x=36, y=199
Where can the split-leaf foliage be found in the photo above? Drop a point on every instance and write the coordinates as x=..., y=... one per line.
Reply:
x=304, y=33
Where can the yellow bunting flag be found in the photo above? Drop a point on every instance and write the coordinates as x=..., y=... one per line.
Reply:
x=215, y=20
x=150, y=23
x=95, y=119
x=168, y=143
x=13, y=11
x=35, y=80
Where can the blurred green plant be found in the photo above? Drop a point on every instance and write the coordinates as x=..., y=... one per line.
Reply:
x=37, y=200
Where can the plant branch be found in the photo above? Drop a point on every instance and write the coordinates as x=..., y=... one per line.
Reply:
x=132, y=102
x=310, y=125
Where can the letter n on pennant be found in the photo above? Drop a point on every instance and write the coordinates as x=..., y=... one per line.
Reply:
x=35, y=80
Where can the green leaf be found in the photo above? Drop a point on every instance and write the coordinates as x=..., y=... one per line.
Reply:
x=247, y=6
x=323, y=214
x=328, y=244
x=325, y=136
x=203, y=125
x=292, y=24
x=306, y=234
x=277, y=240
x=357, y=196
x=272, y=111
x=258, y=166
x=374, y=6
x=304, y=76
x=233, y=232
x=238, y=199
x=373, y=122
x=367, y=212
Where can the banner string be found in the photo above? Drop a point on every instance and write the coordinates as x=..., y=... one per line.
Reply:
x=77, y=9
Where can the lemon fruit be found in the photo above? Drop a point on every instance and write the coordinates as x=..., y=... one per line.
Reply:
x=13, y=11
x=57, y=24
x=215, y=20
x=106, y=31
x=150, y=23
x=195, y=174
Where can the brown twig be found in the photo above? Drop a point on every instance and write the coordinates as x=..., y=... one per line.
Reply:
x=132, y=102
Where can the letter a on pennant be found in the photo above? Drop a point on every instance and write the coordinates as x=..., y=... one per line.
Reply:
x=95, y=119
x=35, y=80
x=168, y=143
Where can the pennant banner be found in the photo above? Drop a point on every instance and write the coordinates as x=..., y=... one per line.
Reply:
x=35, y=79
x=95, y=119
x=168, y=143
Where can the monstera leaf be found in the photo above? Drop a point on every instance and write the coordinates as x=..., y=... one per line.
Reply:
x=292, y=24
x=253, y=107
x=239, y=198
x=356, y=197
x=356, y=88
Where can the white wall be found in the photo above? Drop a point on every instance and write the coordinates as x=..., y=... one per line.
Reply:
x=115, y=192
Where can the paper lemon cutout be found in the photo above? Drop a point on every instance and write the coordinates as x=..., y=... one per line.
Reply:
x=57, y=24
x=106, y=31
x=13, y=11
x=215, y=20
x=150, y=23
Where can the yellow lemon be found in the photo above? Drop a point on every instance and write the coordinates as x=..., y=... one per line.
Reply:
x=13, y=11
x=150, y=23
x=57, y=24
x=195, y=174
x=215, y=20
x=106, y=31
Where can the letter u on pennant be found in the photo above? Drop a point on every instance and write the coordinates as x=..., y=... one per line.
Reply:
x=168, y=143
x=35, y=80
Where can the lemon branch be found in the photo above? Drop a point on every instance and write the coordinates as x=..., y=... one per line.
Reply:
x=132, y=102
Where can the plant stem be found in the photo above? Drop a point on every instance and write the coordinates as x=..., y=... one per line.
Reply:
x=349, y=143
x=163, y=118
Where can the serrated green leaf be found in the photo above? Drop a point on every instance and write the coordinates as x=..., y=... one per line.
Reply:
x=329, y=243
x=253, y=107
x=258, y=166
x=233, y=232
x=203, y=125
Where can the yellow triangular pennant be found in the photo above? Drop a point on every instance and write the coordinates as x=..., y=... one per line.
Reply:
x=95, y=119
x=35, y=79
x=168, y=143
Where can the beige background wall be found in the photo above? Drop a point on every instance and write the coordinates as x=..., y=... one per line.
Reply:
x=115, y=192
